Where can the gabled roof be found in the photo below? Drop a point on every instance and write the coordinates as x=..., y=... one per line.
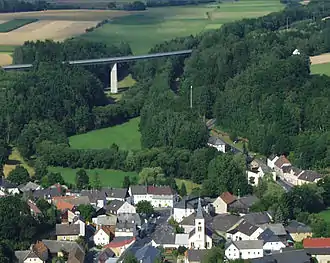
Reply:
x=196, y=255
x=119, y=193
x=215, y=141
x=62, y=205
x=76, y=255
x=292, y=256
x=147, y=254
x=30, y=186
x=316, y=243
x=56, y=246
x=245, y=228
x=228, y=198
x=268, y=236
x=278, y=229
x=224, y=222
x=107, y=220
x=93, y=195
x=21, y=255
x=309, y=176
x=67, y=229
x=190, y=220
x=120, y=242
x=248, y=244
x=6, y=184
x=257, y=218
x=107, y=229
x=282, y=160
x=46, y=193
x=33, y=207
x=139, y=190
x=297, y=227
x=114, y=205
x=159, y=190
x=105, y=254
x=41, y=250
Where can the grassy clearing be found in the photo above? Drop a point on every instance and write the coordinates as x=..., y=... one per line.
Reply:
x=7, y=49
x=190, y=185
x=325, y=215
x=321, y=69
x=113, y=178
x=126, y=136
x=225, y=137
x=15, y=23
x=145, y=29
x=16, y=159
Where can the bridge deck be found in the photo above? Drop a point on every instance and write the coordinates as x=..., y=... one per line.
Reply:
x=101, y=61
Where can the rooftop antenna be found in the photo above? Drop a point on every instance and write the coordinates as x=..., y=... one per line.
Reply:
x=191, y=97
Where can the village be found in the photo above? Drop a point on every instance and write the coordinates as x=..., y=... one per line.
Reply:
x=151, y=222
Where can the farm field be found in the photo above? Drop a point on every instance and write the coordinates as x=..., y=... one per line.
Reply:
x=145, y=29
x=113, y=178
x=15, y=24
x=53, y=24
x=321, y=69
x=15, y=159
x=126, y=136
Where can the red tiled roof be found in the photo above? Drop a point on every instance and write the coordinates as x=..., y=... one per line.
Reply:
x=114, y=243
x=316, y=243
x=61, y=205
x=108, y=229
x=41, y=250
x=159, y=190
x=58, y=198
x=33, y=207
x=281, y=161
x=227, y=197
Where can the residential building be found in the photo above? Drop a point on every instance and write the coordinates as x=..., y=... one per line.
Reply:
x=298, y=231
x=271, y=241
x=8, y=187
x=244, y=231
x=76, y=255
x=222, y=202
x=68, y=215
x=119, y=244
x=126, y=229
x=281, y=163
x=120, y=194
x=147, y=254
x=258, y=218
x=27, y=256
x=158, y=196
x=96, y=197
x=217, y=143
x=201, y=236
x=105, y=220
x=224, y=222
x=318, y=248
x=290, y=256
x=78, y=220
x=244, y=249
x=29, y=186
x=278, y=230
x=35, y=211
x=195, y=256
x=56, y=248
x=257, y=170
x=308, y=176
x=242, y=204
x=103, y=236
x=105, y=255
x=119, y=207
x=48, y=194
x=67, y=232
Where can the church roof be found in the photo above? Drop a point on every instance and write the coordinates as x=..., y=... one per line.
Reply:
x=199, y=213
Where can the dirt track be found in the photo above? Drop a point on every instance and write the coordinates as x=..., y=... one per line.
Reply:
x=321, y=59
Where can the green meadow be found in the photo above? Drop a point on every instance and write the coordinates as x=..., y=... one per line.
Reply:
x=146, y=29
x=126, y=136
x=113, y=178
x=15, y=23
x=321, y=69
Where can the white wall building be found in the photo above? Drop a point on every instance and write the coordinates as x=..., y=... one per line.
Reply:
x=102, y=236
x=244, y=249
x=217, y=143
x=244, y=231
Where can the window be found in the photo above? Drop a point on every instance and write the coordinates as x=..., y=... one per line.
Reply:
x=199, y=229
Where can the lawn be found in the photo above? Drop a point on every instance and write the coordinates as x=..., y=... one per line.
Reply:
x=126, y=136
x=190, y=185
x=325, y=215
x=15, y=23
x=155, y=25
x=321, y=69
x=7, y=49
x=113, y=178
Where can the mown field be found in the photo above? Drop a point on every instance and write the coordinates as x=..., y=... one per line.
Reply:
x=145, y=29
x=111, y=178
x=15, y=24
x=126, y=136
x=321, y=69
x=325, y=215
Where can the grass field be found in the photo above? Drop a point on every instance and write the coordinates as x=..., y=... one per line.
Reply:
x=189, y=184
x=325, y=215
x=15, y=23
x=111, y=178
x=16, y=159
x=126, y=136
x=321, y=69
x=145, y=29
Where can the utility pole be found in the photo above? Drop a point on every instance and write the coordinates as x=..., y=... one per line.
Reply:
x=287, y=23
x=191, y=102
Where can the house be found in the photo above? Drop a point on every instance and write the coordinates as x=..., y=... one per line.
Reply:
x=48, y=194
x=68, y=215
x=278, y=229
x=41, y=250
x=96, y=197
x=76, y=255
x=217, y=143
x=188, y=206
x=78, y=220
x=188, y=223
x=63, y=206
x=147, y=254
x=291, y=256
x=105, y=220
x=195, y=256
x=271, y=161
x=126, y=229
x=224, y=222
x=244, y=249
x=258, y=218
x=222, y=202
x=158, y=196
x=298, y=231
x=119, y=244
x=318, y=248
x=69, y=232
x=105, y=255
x=120, y=194
x=56, y=248
x=271, y=241
x=308, y=176
x=244, y=231
x=243, y=204
x=8, y=187
x=257, y=170
x=27, y=256
x=119, y=207
x=103, y=236
x=201, y=236
x=30, y=186
x=281, y=163
x=163, y=236
x=133, y=218
x=35, y=211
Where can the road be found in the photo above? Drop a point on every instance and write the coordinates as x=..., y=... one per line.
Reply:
x=285, y=185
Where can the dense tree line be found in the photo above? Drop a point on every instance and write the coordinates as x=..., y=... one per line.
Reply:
x=8, y=6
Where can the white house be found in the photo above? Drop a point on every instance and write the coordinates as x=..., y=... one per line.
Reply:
x=244, y=249
x=271, y=161
x=201, y=236
x=296, y=52
x=82, y=225
x=187, y=207
x=158, y=196
x=126, y=229
x=222, y=202
x=117, y=207
x=257, y=170
x=8, y=187
x=217, y=143
x=271, y=241
x=102, y=236
x=244, y=231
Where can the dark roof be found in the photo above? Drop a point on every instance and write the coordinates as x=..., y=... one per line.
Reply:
x=245, y=228
x=309, y=176
x=147, y=254
x=257, y=218
x=139, y=190
x=196, y=255
x=200, y=211
x=163, y=235
x=46, y=193
x=248, y=200
x=208, y=232
x=77, y=255
x=216, y=141
x=30, y=186
x=21, y=255
x=224, y=222
x=268, y=236
x=5, y=183
x=114, y=205
x=191, y=202
x=318, y=251
x=105, y=254
x=56, y=246
x=119, y=193
x=297, y=227
x=129, y=218
x=67, y=229
x=228, y=198
x=190, y=220
x=292, y=256
x=93, y=195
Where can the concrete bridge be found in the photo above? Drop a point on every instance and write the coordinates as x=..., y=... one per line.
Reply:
x=103, y=61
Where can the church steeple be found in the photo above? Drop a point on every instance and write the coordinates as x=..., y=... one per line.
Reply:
x=199, y=214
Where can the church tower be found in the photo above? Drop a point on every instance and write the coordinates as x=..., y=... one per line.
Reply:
x=200, y=227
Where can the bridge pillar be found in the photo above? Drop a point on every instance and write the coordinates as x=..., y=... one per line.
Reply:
x=114, y=79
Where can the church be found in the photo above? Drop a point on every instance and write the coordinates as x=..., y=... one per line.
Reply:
x=201, y=236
